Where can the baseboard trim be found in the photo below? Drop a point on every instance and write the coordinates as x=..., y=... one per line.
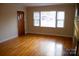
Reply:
x=9, y=38
x=50, y=34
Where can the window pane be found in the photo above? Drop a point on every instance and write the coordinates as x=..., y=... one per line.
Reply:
x=36, y=15
x=36, y=22
x=60, y=23
x=48, y=19
x=60, y=15
x=36, y=18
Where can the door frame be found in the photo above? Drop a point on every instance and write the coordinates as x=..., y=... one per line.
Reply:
x=18, y=22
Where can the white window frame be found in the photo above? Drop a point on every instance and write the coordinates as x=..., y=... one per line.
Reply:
x=56, y=19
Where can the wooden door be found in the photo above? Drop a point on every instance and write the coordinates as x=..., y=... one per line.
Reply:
x=21, y=27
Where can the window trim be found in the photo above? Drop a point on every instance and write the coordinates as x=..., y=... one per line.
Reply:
x=56, y=19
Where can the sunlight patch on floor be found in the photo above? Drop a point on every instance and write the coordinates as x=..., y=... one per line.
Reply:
x=51, y=48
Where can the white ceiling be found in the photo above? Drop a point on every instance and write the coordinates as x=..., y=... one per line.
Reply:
x=37, y=4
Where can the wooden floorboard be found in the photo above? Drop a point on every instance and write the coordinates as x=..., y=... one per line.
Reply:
x=35, y=45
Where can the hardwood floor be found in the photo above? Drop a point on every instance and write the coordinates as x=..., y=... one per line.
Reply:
x=35, y=45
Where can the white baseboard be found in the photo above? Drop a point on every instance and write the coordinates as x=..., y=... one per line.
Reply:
x=9, y=38
x=52, y=34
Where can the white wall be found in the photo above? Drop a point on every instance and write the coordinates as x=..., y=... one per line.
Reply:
x=8, y=21
x=67, y=31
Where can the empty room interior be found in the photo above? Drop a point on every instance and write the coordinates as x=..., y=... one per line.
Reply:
x=39, y=29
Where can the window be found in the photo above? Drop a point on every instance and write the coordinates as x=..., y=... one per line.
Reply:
x=60, y=19
x=36, y=18
x=49, y=19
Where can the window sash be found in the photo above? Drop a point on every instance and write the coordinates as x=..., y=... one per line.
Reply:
x=60, y=24
x=60, y=15
x=36, y=22
x=48, y=19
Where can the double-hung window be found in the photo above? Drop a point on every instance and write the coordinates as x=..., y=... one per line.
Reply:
x=60, y=19
x=36, y=17
x=49, y=19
